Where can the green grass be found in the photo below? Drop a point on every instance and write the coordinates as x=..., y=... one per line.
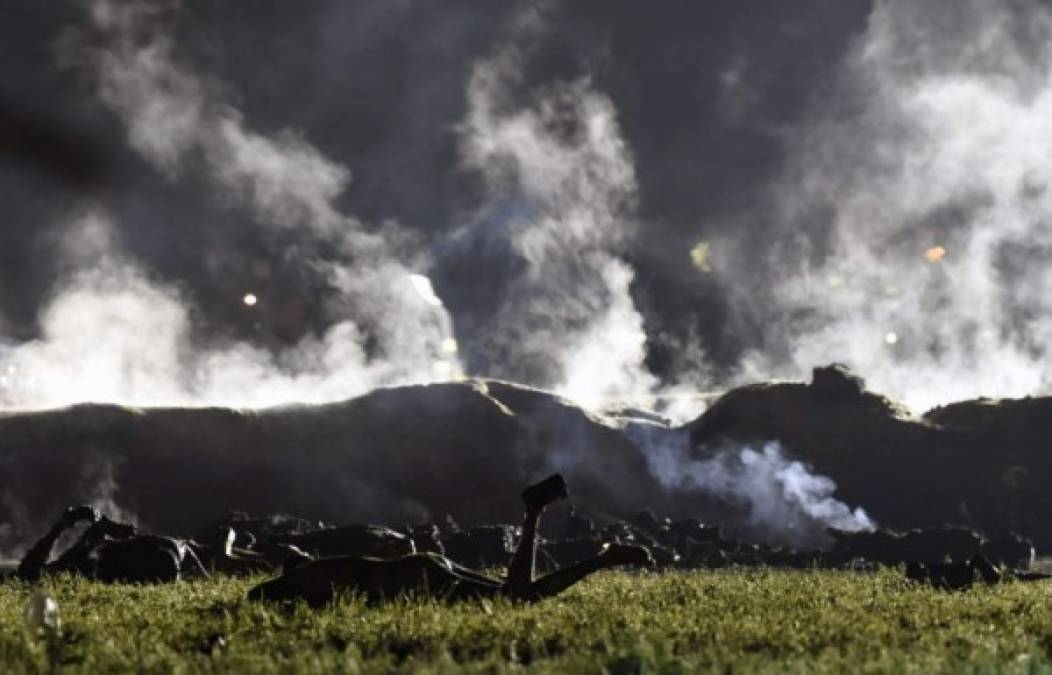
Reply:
x=753, y=621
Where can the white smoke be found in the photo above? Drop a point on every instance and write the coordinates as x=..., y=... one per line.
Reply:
x=173, y=116
x=558, y=161
x=553, y=161
x=931, y=168
x=113, y=334
x=98, y=487
x=561, y=187
x=932, y=137
x=783, y=502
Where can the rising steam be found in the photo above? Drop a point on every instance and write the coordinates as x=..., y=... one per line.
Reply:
x=560, y=196
x=907, y=235
x=929, y=139
x=113, y=334
x=914, y=239
x=575, y=195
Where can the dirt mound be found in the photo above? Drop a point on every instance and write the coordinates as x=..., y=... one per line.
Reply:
x=977, y=463
x=394, y=455
x=415, y=454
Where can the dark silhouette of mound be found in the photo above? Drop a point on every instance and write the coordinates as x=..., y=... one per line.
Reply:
x=414, y=454
x=394, y=455
x=978, y=463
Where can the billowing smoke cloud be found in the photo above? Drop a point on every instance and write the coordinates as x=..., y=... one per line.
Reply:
x=559, y=208
x=905, y=229
x=913, y=240
x=560, y=186
x=112, y=334
x=697, y=100
x=559, y=203
x=558, y=215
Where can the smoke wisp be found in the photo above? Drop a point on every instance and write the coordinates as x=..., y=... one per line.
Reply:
x=779, y=499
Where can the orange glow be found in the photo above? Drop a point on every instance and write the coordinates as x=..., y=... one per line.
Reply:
x=935, y=254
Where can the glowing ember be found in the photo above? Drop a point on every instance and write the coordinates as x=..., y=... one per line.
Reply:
x=935, y=254
x=891, y=338
x=250, y=300
x=699, y=256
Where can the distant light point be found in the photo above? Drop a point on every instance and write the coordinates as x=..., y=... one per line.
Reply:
x=891, y=338
x=935, y=254
x=700, y=256
x=250, y=300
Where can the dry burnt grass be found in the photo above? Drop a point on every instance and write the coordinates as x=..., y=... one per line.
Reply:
x=729, y=621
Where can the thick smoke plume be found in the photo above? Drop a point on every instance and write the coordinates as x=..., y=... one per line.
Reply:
x=112, y=334
x=913, y=237
x=767, y=190
x=560, y=193
x=559, y=209
x=899, y=221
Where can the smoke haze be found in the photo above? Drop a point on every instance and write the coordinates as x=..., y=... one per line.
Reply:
x=384, y=328
x=759, y=192
x=624, y=204
x=494, y=150
x=926, y=180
